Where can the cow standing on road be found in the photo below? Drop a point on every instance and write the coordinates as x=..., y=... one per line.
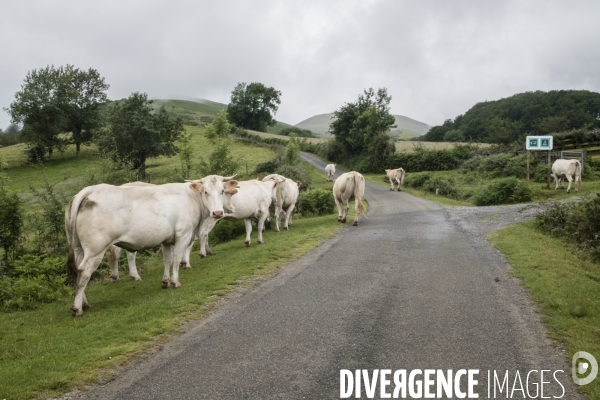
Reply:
x=330, y=171
x=350, y=185
x=136, y=218
x=395, y=175
x=571, y=169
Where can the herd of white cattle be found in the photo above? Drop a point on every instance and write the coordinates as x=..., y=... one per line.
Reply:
x=135, y=216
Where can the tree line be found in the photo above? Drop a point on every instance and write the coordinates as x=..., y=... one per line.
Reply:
x=511, y=119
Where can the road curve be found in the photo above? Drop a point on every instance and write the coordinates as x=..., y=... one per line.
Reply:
x=406, y=289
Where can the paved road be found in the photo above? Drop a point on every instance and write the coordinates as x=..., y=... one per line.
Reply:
x=406, y=289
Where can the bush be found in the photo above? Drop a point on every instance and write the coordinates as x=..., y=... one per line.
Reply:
x=499, y=165
x=504, y=191
x=11, y=222
x=226, y=231
x=33, y=281
x=446, y=186
x=579, y=223
x=316, y=202
x=295, y=173
x=268, y=167
x=430, y=160
x=417, y=179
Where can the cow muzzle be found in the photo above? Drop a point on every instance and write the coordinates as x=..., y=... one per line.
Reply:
x=217, y=214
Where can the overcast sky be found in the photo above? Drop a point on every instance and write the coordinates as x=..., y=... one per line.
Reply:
x=436, y=58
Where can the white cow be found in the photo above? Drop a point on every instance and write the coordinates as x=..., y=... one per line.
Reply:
x=114, y=252
x=330, y=171
x=137, y=218
x=350, y=185
x=571, y=169
x=396, y=175
x=287, y=192
x=251, y=203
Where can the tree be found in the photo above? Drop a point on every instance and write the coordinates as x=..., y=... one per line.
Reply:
x=253, y=106
x=220, y=161
x=39, y=106
x=137, y=133
x=86, y=94
x=362, y=128
x=218, y=129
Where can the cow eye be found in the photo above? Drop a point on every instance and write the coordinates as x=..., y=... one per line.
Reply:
x=223, y=191
x=206, y=193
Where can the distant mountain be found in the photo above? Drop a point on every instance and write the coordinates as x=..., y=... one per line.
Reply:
x=406, y=128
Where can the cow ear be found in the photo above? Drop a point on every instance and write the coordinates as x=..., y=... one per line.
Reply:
x=196, y=186
x=298, y=183
x=231, y=184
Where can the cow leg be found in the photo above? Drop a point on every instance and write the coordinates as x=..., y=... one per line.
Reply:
x=337, y=204
x=392, y=185
x=288, y=217
x=185, y=261
x=178, y=251
x=261, y=225
x=346, y=208
x=85, y=271
x=277, y=215
x=399, y=188
x=167, y=261
x=205, y=229
x=113, y=253
x=570, y=179
x=248, y=223
x=132, y=267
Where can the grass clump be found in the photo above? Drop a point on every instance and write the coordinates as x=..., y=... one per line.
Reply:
x=503, y=191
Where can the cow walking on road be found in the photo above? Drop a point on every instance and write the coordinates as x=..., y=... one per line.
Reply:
x=330, y=171
x=287, y=193
x=396, y=175
x=571, y=169
x=350, y=185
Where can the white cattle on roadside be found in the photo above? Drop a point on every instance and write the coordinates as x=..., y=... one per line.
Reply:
x=396, y=175
x=114, y=252
x=136, y=218
x=251, y=203
x=286, y=197
x=570, y=169
x=330, y=171
x=350, y=185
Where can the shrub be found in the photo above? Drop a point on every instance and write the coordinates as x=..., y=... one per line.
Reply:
x=225, y=231
x=446, y=186
x=11, y=222
x=316, y=202
x=499, y=165
x=296, y=173
x=418, y=179
x=33, y=280
x=268, y=167
x=504, y=191
x=430, y=160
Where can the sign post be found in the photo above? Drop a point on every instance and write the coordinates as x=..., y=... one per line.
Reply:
x=539, y=143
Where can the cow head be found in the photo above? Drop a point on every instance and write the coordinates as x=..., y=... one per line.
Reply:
x=215, y=192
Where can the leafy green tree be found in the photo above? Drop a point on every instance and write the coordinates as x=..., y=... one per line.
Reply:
x=86, y=94
x=253, y=106
x=292, y=151
x=218, y=129
x=220, y=161
x=39, y=106
x=137, y=133
x=503, y=131
x=361, y=129
x=454, y=135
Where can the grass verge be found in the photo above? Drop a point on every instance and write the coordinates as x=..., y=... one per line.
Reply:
x=47, y=352
x=565, y=285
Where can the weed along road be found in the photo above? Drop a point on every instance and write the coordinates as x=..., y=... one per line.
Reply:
x=407, y=290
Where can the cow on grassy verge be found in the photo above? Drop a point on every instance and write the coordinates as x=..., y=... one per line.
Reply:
x=395, y=175
x=251, y=203
x=286, y=197
x=330, y=171
x=136, y=218
x=114, y=252
x=570, y=169
x=350, y=185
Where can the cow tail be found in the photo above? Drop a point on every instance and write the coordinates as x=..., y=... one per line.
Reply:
x=70, y=229
x=578, y=175
x=357, y=195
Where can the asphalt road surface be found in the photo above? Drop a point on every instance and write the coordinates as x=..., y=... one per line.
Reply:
x=408, y=288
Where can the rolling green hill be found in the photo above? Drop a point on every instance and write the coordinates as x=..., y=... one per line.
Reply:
x=407, y=128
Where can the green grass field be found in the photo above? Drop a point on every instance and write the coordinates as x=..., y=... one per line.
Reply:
x=564, y=284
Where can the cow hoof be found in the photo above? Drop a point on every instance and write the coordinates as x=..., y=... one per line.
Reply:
x=287, y=228
x=136, y=278
x=85, y=306
x=247, y=244
x=277, y=230
x=343, y=220
x=186, y=266
x=392, y=189
x=77, y=312
x=115, y=279
x=165, y=284
x=568, y=191
x=176, y=285
x=399, y=189
x=355, y=223
x=202, y=255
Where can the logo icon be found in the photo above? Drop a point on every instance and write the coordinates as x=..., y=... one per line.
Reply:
x=582, y=367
